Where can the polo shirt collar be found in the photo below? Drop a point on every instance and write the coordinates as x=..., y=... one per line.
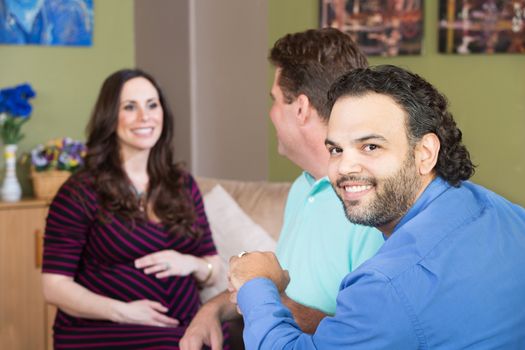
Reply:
x=316, y=185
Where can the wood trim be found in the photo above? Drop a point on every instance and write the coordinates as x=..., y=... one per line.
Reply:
x=24, y=204
x=39, y=248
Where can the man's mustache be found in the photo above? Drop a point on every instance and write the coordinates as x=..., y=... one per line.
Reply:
x=352, y=178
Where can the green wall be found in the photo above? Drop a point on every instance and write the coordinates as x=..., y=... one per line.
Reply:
x=486, y=94
x=67, y=79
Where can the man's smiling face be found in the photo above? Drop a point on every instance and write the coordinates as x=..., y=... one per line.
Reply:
x=372, y=166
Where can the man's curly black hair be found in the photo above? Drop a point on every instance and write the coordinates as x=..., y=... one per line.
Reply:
x=426, y=109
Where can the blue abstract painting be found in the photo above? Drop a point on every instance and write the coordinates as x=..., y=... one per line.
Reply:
x=46, y=22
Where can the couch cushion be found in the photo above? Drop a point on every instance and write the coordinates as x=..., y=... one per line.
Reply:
x=233, y=231
x=262, y=201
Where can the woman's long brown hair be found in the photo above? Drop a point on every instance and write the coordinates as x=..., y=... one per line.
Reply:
x=166, y=192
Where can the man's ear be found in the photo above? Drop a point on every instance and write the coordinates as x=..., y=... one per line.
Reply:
x=426, y=153
x=303, y=109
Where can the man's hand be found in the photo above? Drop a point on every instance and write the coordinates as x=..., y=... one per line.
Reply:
x=257, y=264
x=204, y=329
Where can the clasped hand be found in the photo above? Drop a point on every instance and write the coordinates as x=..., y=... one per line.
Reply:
x=252, y=265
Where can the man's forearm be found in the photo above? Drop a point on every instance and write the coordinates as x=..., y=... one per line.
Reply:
x=221, y=306
x=307, y=318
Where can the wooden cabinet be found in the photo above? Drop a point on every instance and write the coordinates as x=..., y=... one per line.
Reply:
x=51, y=311
x=23, y=313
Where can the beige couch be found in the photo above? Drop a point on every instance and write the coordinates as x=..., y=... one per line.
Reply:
x=264, y=203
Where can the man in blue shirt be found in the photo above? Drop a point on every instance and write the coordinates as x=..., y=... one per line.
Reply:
x=449, y=276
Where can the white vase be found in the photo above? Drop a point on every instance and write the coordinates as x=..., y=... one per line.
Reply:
x=11, y=190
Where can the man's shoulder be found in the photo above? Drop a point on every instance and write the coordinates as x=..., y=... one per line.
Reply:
x=463, y=208
x=491, y=199
x=451, y=219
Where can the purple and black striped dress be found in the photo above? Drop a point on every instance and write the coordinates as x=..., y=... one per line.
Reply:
x=98, y=250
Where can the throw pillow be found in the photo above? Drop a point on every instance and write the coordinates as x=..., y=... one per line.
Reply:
x=233, y=231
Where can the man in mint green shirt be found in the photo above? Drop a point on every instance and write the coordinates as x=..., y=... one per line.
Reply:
x=317, y=244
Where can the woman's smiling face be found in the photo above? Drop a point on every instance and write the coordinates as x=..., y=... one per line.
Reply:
x=140, y=117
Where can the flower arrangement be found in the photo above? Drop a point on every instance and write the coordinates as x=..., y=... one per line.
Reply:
x=59, y=154
x=15, y=110
x=52, y=163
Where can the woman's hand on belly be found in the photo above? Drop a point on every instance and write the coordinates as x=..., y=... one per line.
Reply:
x=144, y=312
x=167, y=263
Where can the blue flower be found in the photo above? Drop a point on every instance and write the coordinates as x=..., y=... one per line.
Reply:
x=14, y=104
x=14, y=100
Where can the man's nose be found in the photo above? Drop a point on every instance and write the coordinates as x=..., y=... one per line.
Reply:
x=349, y=164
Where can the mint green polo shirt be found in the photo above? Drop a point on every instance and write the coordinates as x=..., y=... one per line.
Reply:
x=318, y=245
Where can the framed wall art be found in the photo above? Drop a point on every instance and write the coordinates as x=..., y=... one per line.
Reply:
x=481, y=26
x=380, y=27
x=46, y=22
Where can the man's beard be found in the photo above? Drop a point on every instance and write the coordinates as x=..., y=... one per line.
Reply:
x=393, y=197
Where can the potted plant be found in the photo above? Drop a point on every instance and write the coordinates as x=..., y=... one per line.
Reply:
x=53, y=162
x=15, y=110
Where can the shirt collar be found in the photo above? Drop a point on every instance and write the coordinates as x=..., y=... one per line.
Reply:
x=316, y=185
x=433, y=190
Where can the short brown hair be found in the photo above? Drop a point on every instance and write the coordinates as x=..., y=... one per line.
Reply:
x=311, y=61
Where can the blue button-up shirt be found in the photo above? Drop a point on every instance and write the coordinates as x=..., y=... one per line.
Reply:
x=449, y=277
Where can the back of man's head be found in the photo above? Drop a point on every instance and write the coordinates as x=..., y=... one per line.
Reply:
x=310, y=61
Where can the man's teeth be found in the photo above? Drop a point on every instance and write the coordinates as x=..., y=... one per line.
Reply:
x=354, y=189
x=143, y=130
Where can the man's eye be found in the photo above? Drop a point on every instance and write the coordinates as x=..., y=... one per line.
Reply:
x=334, y=151
x=369, y=148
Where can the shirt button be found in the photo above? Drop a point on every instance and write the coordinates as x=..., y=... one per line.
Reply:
x=311, y=199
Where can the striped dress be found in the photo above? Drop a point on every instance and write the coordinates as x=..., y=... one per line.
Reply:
x=98, y=250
